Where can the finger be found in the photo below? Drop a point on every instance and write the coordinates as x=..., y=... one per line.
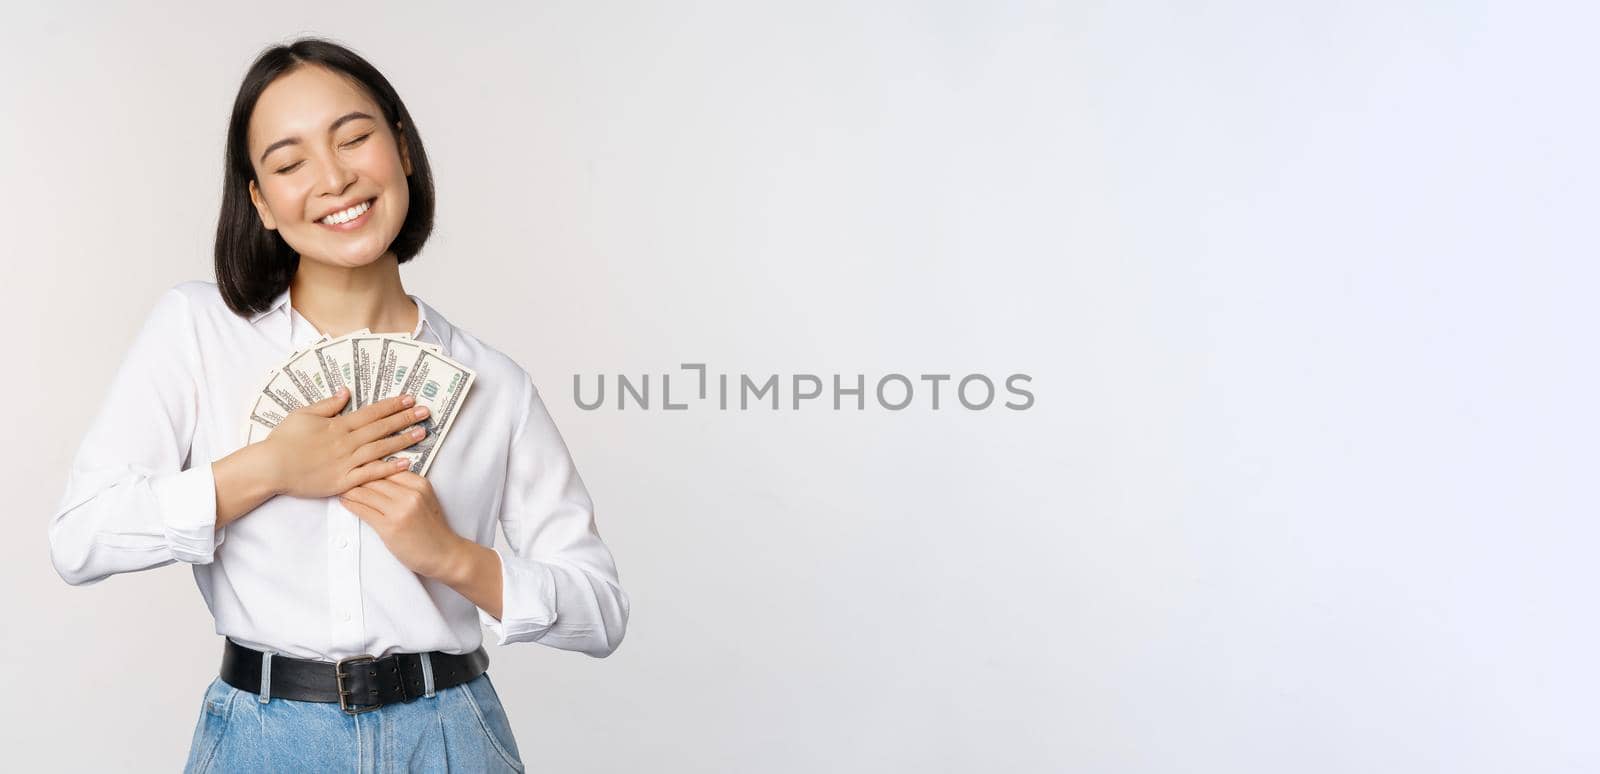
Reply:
x=360, y=509
x=376, y=470
x=410, y=481
x=366, y=495
x=327, y=407
x=388, y=425
x=388, y=489
x=368, y=414
x=386, y=446
x=389, y=444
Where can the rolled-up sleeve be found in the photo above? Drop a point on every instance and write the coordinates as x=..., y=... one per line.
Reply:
x=133, y=501
x=559, y=579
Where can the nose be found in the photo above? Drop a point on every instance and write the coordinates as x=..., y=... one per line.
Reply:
x=336, y=176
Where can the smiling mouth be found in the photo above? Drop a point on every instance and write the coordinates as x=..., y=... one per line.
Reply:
x=349, y=219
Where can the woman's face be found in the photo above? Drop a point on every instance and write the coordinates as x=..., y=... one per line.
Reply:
x=319, y=146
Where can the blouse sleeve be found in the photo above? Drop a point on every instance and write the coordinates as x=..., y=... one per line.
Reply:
x=560, y=584
x=132, y=500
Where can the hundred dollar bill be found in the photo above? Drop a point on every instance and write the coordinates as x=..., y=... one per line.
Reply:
x=373, y=367
x=321, y=369
x=364, y=352
x=338, y=362
x=440, y=384
x=279, y=395
x=367, y=354
x=264, y=413
x=394, y=361
x=306, y=373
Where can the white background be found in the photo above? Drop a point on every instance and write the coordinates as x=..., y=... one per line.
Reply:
x=1306, y=292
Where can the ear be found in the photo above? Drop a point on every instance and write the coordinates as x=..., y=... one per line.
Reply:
x=405, y=154
x=267, y=221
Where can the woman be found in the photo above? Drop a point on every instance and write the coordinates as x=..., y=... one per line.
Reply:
x=349, y=589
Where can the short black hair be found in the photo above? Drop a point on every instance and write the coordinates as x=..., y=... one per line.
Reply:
x=254, y=264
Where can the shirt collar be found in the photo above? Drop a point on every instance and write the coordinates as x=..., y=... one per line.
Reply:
x=277, y=303
x=430, y=324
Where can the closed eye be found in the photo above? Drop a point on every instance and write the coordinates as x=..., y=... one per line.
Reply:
x=351, y=144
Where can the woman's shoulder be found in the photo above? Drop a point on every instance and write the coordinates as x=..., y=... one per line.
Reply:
x=198, y=290
x=193, y=291
x=492, y=365
x=201, y=298
x=182, y=305
x=500, y=382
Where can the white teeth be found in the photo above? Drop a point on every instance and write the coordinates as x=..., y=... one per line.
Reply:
x=346, y=216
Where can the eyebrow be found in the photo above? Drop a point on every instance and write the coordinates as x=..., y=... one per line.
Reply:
x=333, y=127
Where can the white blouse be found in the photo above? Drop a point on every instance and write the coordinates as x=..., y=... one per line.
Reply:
x=304, y=576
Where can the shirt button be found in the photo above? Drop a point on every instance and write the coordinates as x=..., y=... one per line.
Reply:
x=342, y=543
x=346, y=615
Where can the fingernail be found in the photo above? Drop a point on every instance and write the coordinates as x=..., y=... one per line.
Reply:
x=417, y=432
x=421, y=412
x=407, y=400
x=402, y=464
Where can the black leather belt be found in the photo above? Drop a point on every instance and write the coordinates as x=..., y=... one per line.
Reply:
x=359, y=683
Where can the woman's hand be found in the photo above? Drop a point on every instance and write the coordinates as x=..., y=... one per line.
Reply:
x=406, y=514
x=318, y=453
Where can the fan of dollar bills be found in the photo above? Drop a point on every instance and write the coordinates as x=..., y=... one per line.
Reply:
x=373, y=366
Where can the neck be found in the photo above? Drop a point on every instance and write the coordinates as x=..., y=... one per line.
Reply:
x=342, y=299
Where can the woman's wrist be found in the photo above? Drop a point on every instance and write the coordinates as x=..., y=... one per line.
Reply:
x=244, y=480
x=267, y=469
x=474, y=572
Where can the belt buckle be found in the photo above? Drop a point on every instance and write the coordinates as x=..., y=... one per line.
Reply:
x=338, y=678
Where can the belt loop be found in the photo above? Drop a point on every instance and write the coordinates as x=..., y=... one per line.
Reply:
x=266, y=676
x=427, y=675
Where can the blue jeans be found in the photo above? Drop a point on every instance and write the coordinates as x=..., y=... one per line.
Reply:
x=461, y=728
